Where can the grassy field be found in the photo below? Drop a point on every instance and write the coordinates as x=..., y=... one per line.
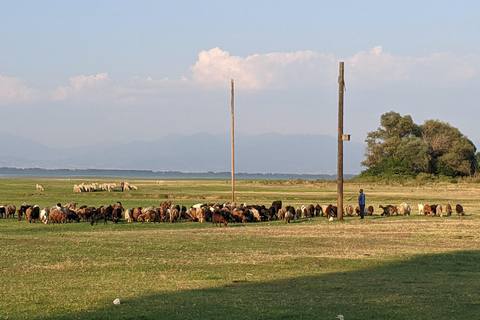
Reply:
x=380, y=268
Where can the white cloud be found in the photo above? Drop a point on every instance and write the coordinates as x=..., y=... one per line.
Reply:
x=378, y=69
x=215, y=68
x=374, y=69
x=78, y=84
x=13, y=90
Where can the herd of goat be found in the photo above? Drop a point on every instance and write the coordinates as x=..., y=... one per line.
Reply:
x=215, y=213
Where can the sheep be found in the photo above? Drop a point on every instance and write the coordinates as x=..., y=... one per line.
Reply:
x=403, y=209
x=459, y=210
x=39, y=187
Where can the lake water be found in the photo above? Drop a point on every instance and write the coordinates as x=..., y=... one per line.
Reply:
x=147, y=174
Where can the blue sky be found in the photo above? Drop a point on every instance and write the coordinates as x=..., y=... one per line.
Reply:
x=141, y=70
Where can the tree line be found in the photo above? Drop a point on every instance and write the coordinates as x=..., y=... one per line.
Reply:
x=401, y=147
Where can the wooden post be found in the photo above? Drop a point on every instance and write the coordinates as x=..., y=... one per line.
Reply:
x=233, y=144
x=341, y=86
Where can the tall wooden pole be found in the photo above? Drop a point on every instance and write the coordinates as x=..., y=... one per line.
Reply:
x=341, y=86
x=233, y=145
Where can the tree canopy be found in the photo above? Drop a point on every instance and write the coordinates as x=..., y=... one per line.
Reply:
x=399, y=146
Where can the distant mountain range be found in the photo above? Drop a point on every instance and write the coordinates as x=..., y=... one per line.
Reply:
x=264, y=153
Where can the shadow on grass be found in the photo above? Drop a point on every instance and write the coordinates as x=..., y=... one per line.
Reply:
x=443, y=286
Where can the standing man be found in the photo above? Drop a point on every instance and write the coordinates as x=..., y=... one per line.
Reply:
x=361, y=203
x=122, y=185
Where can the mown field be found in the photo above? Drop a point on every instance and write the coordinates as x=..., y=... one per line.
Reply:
x=380, y=268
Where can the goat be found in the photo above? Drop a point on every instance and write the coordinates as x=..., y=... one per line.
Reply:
x=218, y=218
x=459, y=210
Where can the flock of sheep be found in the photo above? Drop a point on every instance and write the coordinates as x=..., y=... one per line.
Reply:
x=215, y=213
x=110, y=187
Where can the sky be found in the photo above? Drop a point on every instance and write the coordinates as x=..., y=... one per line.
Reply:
x=78, y=73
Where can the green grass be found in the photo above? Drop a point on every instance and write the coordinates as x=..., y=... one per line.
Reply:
x=381, y=268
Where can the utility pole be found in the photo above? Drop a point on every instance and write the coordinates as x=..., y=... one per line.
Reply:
x=233, y=144
x=341, y=87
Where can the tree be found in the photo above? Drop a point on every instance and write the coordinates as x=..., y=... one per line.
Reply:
x=399, y=146
x=452, y=153
x=384, y=142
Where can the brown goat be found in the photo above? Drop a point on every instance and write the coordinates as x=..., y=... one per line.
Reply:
x=218, y=218
x=56, y=216
x=11, y=211
x=427, y=210
x=448, y=209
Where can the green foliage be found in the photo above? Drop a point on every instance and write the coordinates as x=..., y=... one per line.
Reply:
x=434, y=147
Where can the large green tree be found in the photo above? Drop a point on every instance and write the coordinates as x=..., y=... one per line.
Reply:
x=400, y=146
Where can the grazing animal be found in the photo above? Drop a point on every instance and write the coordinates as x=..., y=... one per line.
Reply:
x=56, y=216
x=39, y=187
x=145, y=217
x=311, y=210
x=128, y=215
x=459, y=210
x=289, y=217
x=427, y=210
x=277, y=205
x=420, y=209
x=11, y=211
x=44, y=215
x=439, y=211
x=370, y=210
x=218, y=218
x=388, y=210
x=349, y=210
x=174, y=214
x=32, y=213
x=3, y=211
x=71, y=216
x=448, y=209
x=403, y=209
x=331, y=211
x=318, y=210
x=298, y=213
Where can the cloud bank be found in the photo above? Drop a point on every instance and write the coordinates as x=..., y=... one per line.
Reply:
x=13, y=90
